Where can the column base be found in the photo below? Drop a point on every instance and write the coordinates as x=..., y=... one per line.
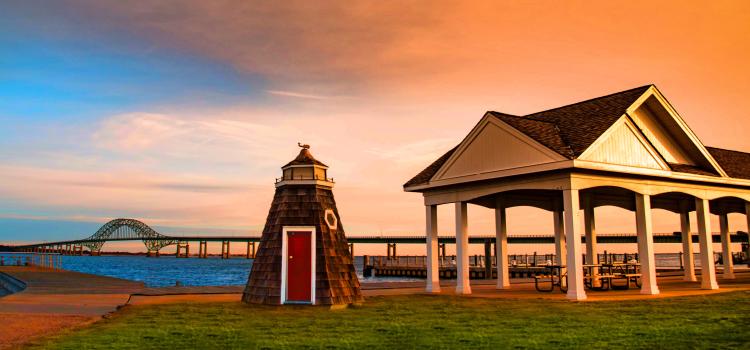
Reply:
x=432, y=287
x=728, y=276
x=463, y=290
x=650, y=291
x=501, y=285
x=573, y=295
x=690, y=278
x=710, y=285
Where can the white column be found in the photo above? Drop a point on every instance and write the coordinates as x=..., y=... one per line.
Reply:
x=559, y=227
x=726, y=247
x=708, y=270
x=462, y=249
x=433, y=268
x=687, y=244
x=589, y=230
x=501, y=245
x=645, y=244
x=573, y=240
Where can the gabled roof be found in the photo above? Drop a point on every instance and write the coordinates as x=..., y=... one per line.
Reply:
x=577, y=125
x=570, y=130
x=567, y=130
x=735, y=163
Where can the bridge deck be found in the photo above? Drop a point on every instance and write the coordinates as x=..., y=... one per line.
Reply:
x=738, y=237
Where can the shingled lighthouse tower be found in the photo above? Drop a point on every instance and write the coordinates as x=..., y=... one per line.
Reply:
x=303, y=256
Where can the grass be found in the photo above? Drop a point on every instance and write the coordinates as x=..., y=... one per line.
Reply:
x=423, y=321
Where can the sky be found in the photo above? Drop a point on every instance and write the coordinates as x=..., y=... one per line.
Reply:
x=180, y=113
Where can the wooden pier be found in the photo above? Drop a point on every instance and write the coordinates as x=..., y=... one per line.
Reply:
x=484, y=267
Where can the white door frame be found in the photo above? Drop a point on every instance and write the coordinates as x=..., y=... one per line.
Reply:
x=284, y=254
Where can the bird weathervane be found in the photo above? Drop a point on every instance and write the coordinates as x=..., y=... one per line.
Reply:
x=303, y=146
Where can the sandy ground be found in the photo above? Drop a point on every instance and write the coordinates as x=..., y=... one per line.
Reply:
x=18, y=329
x=54, y=301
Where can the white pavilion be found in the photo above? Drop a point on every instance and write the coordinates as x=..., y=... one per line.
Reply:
x=629, y=149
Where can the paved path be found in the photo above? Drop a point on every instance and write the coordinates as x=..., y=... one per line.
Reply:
x=670, y=286
x=56, y=300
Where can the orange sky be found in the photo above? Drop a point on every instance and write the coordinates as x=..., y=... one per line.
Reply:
x=379, y=89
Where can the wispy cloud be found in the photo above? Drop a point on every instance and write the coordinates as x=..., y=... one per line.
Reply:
x=301, y=95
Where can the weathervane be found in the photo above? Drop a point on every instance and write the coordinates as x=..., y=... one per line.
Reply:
x=303, y=146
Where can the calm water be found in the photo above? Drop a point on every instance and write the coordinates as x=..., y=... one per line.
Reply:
x=213, y=271
x=167, y=270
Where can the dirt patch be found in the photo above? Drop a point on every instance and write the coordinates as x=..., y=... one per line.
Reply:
x=18, y=329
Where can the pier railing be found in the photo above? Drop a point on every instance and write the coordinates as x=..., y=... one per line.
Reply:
x=46, y=260
x=663, y=260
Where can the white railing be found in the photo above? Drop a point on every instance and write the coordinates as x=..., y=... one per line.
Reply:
x=47, y=260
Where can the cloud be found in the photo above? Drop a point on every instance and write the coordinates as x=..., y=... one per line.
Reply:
x=300, y=95
x=417, y=152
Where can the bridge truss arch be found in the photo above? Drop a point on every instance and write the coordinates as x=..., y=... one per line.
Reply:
x=128, y=229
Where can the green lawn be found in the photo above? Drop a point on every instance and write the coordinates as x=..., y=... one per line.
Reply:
x=422, y=321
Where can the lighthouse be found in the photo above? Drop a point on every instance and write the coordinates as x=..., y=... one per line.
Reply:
x=303, y=256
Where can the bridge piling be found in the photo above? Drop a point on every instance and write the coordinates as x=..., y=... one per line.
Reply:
x=180, y=246
x=202, y=249
x=225, y=249
x=250, y=252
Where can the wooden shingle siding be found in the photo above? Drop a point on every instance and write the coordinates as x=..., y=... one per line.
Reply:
x=336, y=278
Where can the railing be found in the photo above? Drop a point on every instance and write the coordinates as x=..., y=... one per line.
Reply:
x=304, y=177
x=663, y=260
x=47, y=260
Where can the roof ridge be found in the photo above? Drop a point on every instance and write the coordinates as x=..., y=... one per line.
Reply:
x=587, y=101
x=523, y=117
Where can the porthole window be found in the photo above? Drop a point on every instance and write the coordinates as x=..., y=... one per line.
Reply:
x=331, y=219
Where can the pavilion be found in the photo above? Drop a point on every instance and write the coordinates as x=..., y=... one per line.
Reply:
x=629, y=149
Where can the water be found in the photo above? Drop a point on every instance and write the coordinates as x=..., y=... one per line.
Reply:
x=168, y=270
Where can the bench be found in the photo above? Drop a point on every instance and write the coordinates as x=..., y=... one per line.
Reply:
x=552, y=283
x=628, y=277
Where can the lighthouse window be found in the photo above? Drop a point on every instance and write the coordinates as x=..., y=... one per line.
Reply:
x=331, y=219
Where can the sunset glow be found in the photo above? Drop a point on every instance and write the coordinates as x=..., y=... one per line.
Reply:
x=181, y=113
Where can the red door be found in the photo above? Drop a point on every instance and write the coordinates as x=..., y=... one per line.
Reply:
x=299, y=268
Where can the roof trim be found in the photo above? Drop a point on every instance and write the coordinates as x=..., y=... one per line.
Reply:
x=489, y=118
x=654, y=91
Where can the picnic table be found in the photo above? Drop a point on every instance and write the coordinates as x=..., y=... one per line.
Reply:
x=555, y=275
x=608, y=276
x=600, y=277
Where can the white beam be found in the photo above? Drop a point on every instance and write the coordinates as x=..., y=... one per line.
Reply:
x=687, y=244
x=573, y=239
x=645, y=233
x=726, y=247
x=433, y=268
x=501, y=245
x=708, y=270
x=462, y=249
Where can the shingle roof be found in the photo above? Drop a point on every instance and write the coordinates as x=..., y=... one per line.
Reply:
x=304, y=158
x=691, y=169
x=568, y=130
x=571, y=129
x=735, y=163
x=544, y=132
x=580, y=124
